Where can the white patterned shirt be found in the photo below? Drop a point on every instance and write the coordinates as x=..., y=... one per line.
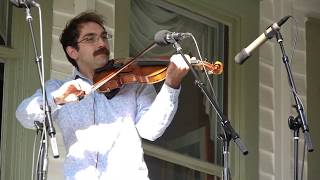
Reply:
x=102, y=136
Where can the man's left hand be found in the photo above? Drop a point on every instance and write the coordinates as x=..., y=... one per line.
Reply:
x=177, y=69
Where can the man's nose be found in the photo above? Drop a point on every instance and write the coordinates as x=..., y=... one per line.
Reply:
x=102, y=42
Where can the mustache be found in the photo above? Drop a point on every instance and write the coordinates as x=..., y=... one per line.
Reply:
x=101, y=51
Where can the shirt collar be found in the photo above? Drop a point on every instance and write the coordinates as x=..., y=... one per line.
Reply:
x=77, y=74
x=109, y=95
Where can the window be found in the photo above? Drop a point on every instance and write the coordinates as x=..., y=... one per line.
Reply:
x=5, y=21
x=5, y=31
x=1, y=94
x=1, y=98
x=195, y=128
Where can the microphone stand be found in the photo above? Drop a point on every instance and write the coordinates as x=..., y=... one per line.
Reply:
x=42, y=158
x=47, y=123
x=229, y=132
x=295, y=123
x=225, y=138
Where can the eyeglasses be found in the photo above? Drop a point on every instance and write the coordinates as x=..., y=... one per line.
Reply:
x=92, y=38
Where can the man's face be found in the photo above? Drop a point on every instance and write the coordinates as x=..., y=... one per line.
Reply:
x=93, y=46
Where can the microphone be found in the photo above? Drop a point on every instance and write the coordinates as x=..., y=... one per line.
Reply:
x=52, y=133
x=24, y=3
x=245, y=53
x=165, y=37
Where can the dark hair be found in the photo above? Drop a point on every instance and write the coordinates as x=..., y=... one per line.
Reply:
x=71, y=32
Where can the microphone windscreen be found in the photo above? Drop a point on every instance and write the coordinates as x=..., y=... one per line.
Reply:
x=15, y=2
x=241, y=56
x=160, y=37
x=22, y=3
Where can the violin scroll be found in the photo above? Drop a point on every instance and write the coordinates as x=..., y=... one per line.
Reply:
x=215, y=68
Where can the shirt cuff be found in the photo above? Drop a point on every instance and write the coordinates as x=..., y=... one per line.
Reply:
x=51, y=103
x=171, y=92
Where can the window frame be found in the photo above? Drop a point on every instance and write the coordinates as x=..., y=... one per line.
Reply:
x=172, y=156
x=6, y=11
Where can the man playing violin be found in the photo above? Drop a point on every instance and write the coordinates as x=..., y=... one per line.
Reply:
x=102, y=132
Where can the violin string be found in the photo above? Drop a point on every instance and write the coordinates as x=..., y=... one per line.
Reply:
x=205, y=70
x=108, y=78
x=97, y=85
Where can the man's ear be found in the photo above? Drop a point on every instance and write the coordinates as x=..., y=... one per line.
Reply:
x=72, y=52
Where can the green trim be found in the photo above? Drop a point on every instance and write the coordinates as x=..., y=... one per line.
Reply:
x=7, y=53
x=313, y=96
x=182, y=160
x=121, y=20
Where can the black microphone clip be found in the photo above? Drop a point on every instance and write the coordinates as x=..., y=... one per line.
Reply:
x=165, y=37
x=271, y=30
x=24, y=3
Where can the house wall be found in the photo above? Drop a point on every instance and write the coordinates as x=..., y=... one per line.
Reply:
x=275, y=137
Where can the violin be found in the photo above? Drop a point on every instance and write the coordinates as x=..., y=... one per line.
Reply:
x=121, y=72
x=141, y=71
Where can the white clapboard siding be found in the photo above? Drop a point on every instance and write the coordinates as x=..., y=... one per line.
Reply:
x=275, y=145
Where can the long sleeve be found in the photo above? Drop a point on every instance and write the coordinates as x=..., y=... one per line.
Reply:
x=30, y=110
x=154, y=118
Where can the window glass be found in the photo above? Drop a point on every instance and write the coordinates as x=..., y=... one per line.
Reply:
x=1, y=98
x=5, y=23
x=195, y=128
